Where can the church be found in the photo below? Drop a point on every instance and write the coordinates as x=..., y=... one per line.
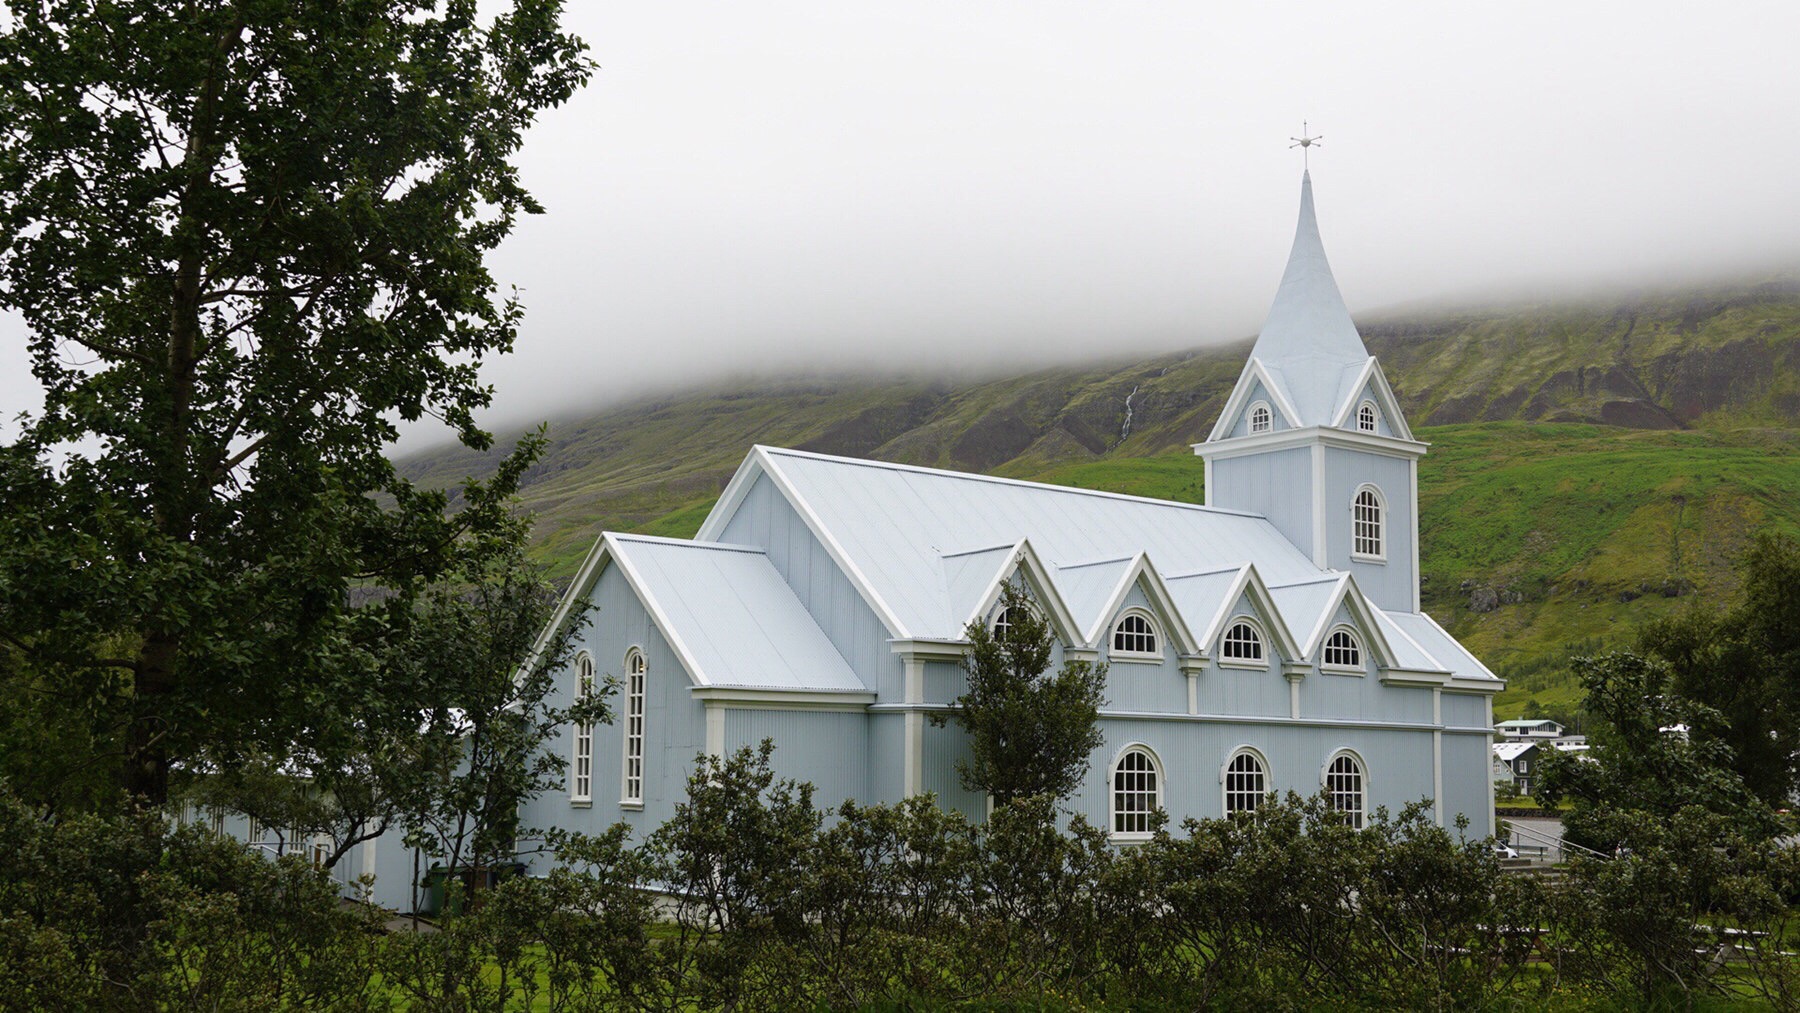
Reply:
x=1270, y=640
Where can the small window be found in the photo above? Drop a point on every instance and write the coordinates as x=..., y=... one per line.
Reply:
x=1342, y=650
x=1241, y=643
x=1367, y=515
x=1366, y=417
x=1245, y=784
x=1134, y=635
x=636, y=673
x=1344, y=787
x=1261, y=419
x=1136, y=792
x=581, y=771
x=1004, y=623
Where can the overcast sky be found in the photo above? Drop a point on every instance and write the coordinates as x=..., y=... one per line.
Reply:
x=938, y=185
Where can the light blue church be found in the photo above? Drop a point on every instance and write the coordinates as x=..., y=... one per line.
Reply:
x=1269, y=640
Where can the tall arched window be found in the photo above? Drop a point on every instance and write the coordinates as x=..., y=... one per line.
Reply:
x=1136, y=791
x=1344, y=787
x=1003, y=624
x=1134, y=635
x=581, y=766
x=1366, y=417
x=1342, y=650
x=1242, y=643
x=1366, y=514
x=1245, y=783
x=1261, y=419
x=636, y=672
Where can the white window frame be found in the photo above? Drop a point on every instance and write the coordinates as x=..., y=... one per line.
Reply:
x=1262, y=640
x=1268, y=420
x=1357, y=552
x=631, y=769
x=1340, y=667
x=1002, y=623
x=1374, y=417
x=1225, y=774
x=1333, y=791
x=1113, y=792
x=1115, y=653
x=581, y=759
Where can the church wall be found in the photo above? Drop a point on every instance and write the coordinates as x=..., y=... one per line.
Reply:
x=1389, y=584
x=765, y=518
x=943, y=747
x=674, y=721
x=1253, y=692
x=1277, y=485
x=1467, y=773
x=1135, y=685
x=1465, y=710
x=828, y=748
x=944, y=681
x=1193, y=755
x=886, y=764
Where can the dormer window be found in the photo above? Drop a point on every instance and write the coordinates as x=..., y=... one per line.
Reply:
x=1366, y=417
x=1343, y=650
x=1134, y=635
x=1003, y=624
x=1261, y=419
x=1242, y=644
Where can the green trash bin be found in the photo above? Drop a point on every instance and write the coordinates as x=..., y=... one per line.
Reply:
x=436, y=884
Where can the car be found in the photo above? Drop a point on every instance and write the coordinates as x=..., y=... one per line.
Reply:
x=1505, y=850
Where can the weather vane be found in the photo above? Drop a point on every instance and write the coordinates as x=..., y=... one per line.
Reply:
x=1305, y=143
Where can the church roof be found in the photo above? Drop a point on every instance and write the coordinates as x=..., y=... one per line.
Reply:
x=1308, y=344
x=729, y=616
x=925, y=547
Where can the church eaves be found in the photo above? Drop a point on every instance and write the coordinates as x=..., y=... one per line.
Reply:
x=1308, y=340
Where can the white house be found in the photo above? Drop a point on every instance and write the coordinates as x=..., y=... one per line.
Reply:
x=1269, y=640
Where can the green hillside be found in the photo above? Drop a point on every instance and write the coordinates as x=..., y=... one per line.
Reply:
x=1592, y=465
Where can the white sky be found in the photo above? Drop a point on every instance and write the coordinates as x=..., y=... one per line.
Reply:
x=938, y=186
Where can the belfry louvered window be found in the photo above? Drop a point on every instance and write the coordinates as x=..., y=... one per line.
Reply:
x=636, y=673
x=1367, y=517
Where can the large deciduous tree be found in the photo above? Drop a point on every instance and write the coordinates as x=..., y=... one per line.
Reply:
x=1030, y=729
x=247, y=239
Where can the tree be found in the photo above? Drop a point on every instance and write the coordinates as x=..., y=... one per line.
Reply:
x=247, y=239
x=1030, y=732
x=1744, y=664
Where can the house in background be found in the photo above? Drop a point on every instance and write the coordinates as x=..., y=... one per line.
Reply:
x=1269, y=640
x=1516, y=761
x=1529, y=729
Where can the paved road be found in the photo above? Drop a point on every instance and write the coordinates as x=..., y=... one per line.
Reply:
x=1537, y=830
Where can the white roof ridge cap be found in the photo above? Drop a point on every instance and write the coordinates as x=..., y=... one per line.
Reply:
x=1233, y=568
x=975, y=476
x=1320, y=579
x=626, y=536
x=997, y=547
x=1101, y=562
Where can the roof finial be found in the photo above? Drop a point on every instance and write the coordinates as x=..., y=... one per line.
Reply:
x=1305, y=143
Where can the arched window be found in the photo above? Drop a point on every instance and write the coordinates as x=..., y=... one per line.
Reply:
x=1003, y=624
x=581, y=767
x=1134, y=635
x=636, y=671
x=1342, y=650
x=1344, y=787
x=1136, y=791
x=1261, y=419
x=1367, y=540
x=1241, y=643
x=1366, y=417
x=1246, y=782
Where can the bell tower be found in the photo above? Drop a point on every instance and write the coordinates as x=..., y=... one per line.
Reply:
x=1313, y=438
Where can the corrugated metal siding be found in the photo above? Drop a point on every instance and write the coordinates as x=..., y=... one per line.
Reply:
x=1277, y=485
x=1254, y=692
x=886, y=763
x=766, y=518
x=828, y=749
x=1465, y=710
x=943, y=748
x=1467, y=771
x=1390, y=585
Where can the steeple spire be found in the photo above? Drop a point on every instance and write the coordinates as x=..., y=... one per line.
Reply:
x=1309, y=338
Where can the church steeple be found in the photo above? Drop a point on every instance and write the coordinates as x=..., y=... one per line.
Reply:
x=1308, y=342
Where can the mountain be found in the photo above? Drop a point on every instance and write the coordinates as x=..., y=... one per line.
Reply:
x=1593, y=463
